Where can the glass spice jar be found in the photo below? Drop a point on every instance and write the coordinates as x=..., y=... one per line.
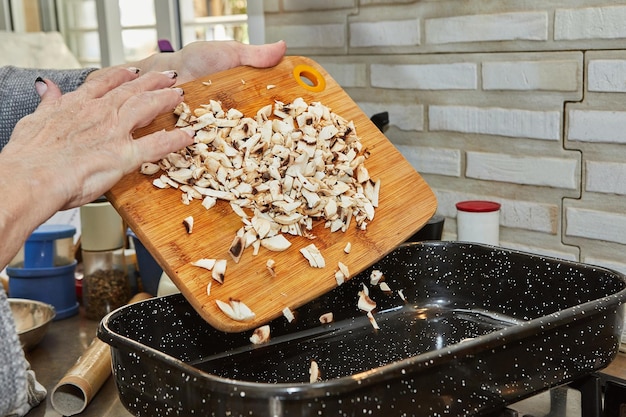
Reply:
x=105, y=280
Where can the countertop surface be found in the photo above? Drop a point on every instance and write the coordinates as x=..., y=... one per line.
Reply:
x=67, y=339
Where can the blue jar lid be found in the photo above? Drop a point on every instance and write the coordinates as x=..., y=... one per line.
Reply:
x=47, y=232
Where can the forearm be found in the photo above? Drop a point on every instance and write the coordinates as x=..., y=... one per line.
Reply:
x=27, y=201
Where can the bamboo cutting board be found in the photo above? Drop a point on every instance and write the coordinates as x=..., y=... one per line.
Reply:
x=406, y=203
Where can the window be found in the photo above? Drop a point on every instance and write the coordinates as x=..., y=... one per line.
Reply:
x=103, y=32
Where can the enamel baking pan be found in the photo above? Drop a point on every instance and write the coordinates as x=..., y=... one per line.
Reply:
x=476, y=328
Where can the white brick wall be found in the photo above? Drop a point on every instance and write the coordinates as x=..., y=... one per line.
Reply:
x=386, y=33
x=590, y=23
x=607, y=75
x=531, y=170
x=488, y=27
x=597, y=126
x=531, y=75
x=518, y=102
x=496, y=121
x=458, y=76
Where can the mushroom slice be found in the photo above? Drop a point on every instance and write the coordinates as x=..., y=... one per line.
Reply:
x=149, y=168
x=276, y=243
x=376, y=276
x=344, y=269
x=270, y=267
x=314, y=372
x=219, y=270
x=384, y=288
x=365, y=303
x=348, y=247
x=205, y=263
x=326, y=318
x=236, y=248
x=288, y=314
x=401, y=294
x=236, y=310
x=260, y=335
x=188, y=222
x=340, y=278
x=313, y=255
x=372, y=320
x=208, y=288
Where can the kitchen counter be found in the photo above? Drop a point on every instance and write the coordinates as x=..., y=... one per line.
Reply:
x=67, y=339
x=64, y=343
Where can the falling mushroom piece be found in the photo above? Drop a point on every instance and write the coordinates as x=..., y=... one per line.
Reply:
x=372, y=320
x=376, y=276
x=384, y=287
x=288, y=314
x=365, y=303
x=326, y=318
x=314, y=372
x=260, y=335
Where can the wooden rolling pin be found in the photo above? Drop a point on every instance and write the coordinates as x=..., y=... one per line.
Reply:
x=83, y=380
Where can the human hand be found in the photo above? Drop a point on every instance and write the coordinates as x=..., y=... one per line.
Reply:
x=200, y=59
x=78, y=145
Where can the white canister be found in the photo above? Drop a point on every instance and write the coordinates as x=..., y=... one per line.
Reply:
x=478, y=221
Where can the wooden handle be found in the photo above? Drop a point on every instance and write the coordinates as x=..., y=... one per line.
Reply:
x=83, y=380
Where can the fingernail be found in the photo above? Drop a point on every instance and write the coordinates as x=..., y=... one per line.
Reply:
x=179, y=90
x=134, y=70
x=40, y=86
x=189, y=130
x=170, y=73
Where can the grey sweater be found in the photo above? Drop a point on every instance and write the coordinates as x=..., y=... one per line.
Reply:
x=19, y=98
x=19, y=390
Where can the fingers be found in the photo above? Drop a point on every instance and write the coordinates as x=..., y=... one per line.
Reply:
x=262, y=56
x=157, y=145
x=107, y=79
x=144, y=107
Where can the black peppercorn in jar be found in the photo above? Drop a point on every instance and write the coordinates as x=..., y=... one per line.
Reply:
x=105, y=280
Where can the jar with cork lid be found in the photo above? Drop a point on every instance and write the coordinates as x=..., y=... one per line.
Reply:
x=105, y=276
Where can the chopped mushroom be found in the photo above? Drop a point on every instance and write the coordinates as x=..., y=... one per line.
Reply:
x=326, y=318
x=365, y=303
x=372, y=320
x=314, y=372
x=204, y=263
x=376, y=276
x=260, y=335
x=188, y=222
x=288, y=314
x=219, y=270
x=384, y=287
x=348, y=247
x=287, y=166
x=236, y=310
x=270, y=267
x=313, y=255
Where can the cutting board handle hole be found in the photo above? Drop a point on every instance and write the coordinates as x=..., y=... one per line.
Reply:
x=309, y=78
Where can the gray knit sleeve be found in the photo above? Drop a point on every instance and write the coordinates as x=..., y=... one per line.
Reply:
x=18, y=97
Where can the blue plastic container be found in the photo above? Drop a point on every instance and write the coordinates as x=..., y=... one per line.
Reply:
x=49, y=245
x=149, y=270
x=53, y=285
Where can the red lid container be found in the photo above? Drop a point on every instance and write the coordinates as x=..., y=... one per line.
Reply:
x=478, y=206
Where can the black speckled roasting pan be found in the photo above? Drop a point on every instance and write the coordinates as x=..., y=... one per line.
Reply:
x=481, y=327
